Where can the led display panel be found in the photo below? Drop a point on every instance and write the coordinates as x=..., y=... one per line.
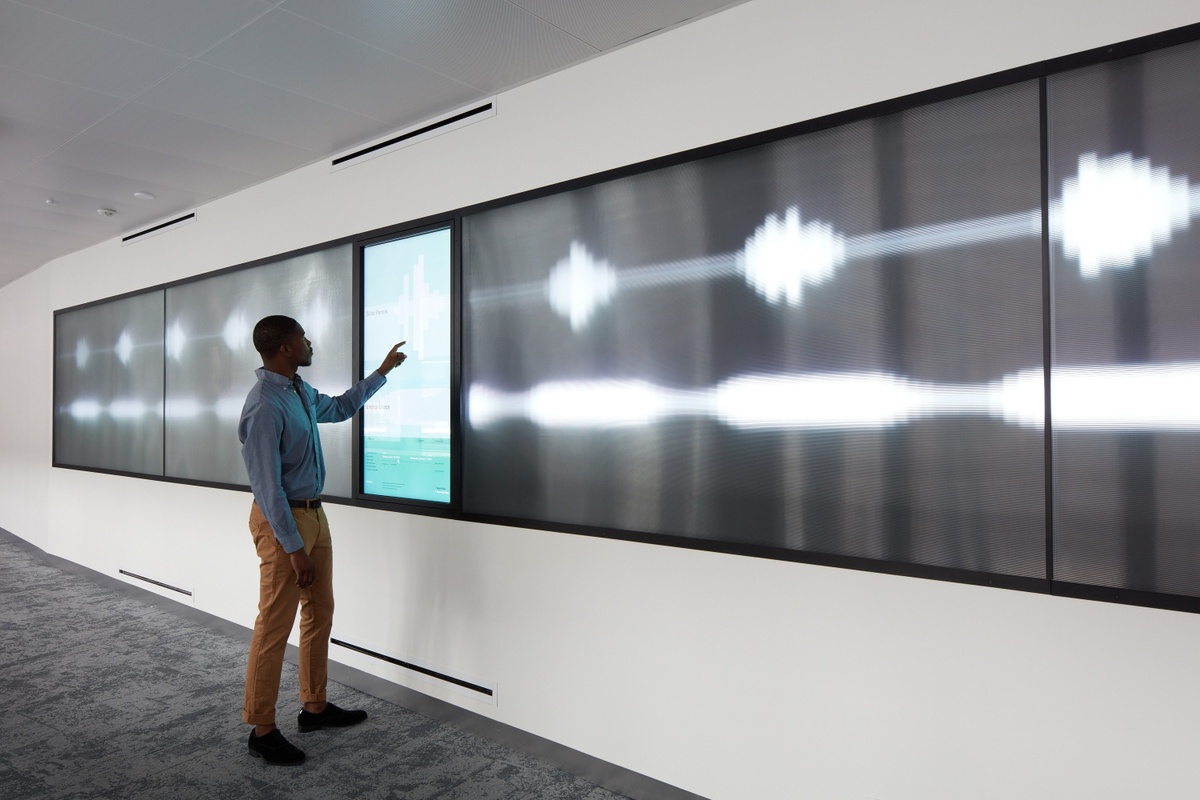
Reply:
x=1125, y=193
x=108, y=385
x=406, y=425
x=830, y=343
x=211, y=359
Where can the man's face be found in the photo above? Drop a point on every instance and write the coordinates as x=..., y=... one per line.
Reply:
x=301, y=348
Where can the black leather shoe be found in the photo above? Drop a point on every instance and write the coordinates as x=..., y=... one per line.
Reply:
x=274, y=749
x=331, y=717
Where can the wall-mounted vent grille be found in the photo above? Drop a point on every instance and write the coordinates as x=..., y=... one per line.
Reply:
x=417, y=133
x=480, y=689
x=161, y=227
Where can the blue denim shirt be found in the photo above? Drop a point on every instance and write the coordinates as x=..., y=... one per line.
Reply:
x=281, y=446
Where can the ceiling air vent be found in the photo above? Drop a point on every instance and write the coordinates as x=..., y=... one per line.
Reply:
x=417, y=133
x=161, y=227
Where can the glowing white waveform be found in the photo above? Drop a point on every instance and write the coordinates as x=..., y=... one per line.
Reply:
x=85, y=409
x=784, y=254
x=578, y=285
x=566, y=404
x=1111, y=213
x=1115, y=210
x=127, y=409
x=184, y=408
x=317, y=320
x=122, y=408
x=1136, y=397
x=176, y=340
x=124, y=347
x=229, y=407
x=180, y=408
x=237, y=332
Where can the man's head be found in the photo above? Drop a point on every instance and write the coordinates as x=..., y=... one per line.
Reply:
x=281, y=342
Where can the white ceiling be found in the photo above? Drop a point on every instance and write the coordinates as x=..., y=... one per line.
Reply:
x=190, y=100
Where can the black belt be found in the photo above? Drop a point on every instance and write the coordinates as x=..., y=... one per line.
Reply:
x=314, y=503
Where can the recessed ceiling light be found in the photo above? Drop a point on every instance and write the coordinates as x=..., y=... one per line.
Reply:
x=105, y=212
x=145, y=195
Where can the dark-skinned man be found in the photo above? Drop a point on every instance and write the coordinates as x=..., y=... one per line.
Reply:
x=282, y=451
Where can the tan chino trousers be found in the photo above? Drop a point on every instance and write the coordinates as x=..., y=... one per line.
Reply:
x=278, y=600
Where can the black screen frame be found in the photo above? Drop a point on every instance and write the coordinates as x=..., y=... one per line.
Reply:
x=453, y=222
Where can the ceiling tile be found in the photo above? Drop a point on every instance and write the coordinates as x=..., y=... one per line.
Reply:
x=188, y=27
x=487, y=44
x=293, y=53
x=172, y=134
x=26, y=251
x=232, y=101
x=614, y=22
x=113, y=170
x=22, y=143
x=53, y=47
x=59, y=218
x=32, y=234
x=51, y=102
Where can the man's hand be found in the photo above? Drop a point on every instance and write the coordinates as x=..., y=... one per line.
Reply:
x=394, y=359
x=306, y=570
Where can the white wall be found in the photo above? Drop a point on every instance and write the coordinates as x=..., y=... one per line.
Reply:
x=731, y=677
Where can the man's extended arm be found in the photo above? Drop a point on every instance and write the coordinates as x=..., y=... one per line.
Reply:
x=347, y=404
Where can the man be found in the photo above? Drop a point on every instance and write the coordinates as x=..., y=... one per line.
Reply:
x=282, y=451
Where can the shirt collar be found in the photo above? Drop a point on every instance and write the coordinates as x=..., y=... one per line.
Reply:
x=275, y=378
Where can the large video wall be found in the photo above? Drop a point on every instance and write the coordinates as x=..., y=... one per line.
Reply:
x=956, y=337
x=800, y=345
x=154, y=384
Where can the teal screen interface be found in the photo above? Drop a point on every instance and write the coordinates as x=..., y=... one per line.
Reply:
x=406, y=425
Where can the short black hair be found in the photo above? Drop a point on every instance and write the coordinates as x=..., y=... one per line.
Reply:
x=271, y=333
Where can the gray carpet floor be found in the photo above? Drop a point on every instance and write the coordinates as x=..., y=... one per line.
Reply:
x=112, y=696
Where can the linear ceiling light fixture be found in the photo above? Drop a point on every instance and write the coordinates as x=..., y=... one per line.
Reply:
x=417, y=133
x=161, y=227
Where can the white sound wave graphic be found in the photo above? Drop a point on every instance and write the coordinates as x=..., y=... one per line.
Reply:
x=1135, y=397
x=1110, y=214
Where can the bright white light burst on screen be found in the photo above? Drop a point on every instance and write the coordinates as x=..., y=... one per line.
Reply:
x=237, y=331
x=124, y=347
x=578, y=285
x=784, y=255
x=1115, y=210
x=176, y=340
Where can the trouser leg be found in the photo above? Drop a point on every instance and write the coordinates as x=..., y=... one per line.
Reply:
x=316, y=608
x=278, y=597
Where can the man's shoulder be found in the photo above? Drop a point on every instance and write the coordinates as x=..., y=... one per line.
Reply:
x=264, y=394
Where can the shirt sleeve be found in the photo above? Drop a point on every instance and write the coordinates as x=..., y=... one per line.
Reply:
x=347, y=404
x=260, y=430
